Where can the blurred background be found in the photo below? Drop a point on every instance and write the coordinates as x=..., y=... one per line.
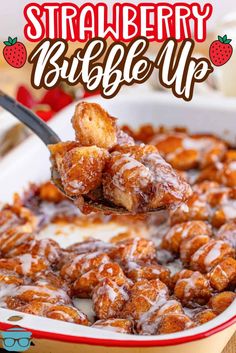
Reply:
x=220, y=84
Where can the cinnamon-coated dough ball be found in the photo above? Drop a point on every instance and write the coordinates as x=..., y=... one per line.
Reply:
x=210, y=254
x=192, y=288
x=115, y=325
x=143, y=295
x=109, y=299
x=94, y=126
x=179, y=232
x=220, y=302
x=223, y=274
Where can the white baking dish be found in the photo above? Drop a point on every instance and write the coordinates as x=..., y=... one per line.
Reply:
x=29, y=163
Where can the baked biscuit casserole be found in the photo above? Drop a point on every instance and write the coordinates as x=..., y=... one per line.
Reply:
x=180, y=274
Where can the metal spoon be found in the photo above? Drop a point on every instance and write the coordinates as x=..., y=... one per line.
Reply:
x=48, y=136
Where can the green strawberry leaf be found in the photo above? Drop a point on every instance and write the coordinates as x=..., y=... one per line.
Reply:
x=9, y=39
x=224, y=39
x=7, y=43
x=14, y=41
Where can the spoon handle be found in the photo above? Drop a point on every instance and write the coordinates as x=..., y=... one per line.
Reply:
x=28, y=118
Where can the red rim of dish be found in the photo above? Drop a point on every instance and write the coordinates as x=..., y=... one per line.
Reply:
x=121, y=343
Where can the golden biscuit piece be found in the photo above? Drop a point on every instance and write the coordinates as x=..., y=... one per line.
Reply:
x=210, y=254
x=219, y=217
x=81, y=169
x=192, y=288
x=112, y=271
x=24, y=248
x=137, y=271
x=187, y=152
x=217, y=196
x=174, y=237
x=80, y=264
x=144, y=133
x=121, y=236
x=46, y=248
x=26, y=217
x=35, y=308
x=133, y=249
x=171, y=147
x=148, y=325
x=209, y=202
x=138, y=178
x=43, y=293
x=51, y=278
x=18, y=218
x=127, y=182
x=223, y=274
x=169, y=185
x=181, y=274
x=222, y=173
x=174, y=322
x=204, y=316
x=195, y=207
x=230, y=156
x=115, y=325
x=14, y=238
x=168, y=143
x=123, y=139
x=143, y=295
x=25, y=265
x=8, y=219
x=220, y=302
x=185, y=160
x=67, y=313
x=109, y=299
x=94, y=126
x=214, y=153
x=207, y=187
x=171, y=306
x=189, y=246
x=12, y=302
x=224, y=208
x=7, y=291
x=10, y=277
x=227, y=233
x=138, y=152
x=50, y=193
x=84, y=285
x=59, y=150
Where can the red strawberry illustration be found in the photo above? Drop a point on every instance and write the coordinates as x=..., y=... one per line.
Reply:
x=14, y=53
x=220, y=51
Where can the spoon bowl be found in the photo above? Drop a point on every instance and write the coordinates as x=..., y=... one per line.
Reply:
x=98, y=205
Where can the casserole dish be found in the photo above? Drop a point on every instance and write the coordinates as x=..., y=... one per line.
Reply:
x=29, y=163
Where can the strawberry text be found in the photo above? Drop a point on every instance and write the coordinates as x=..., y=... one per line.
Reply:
x=155, y=21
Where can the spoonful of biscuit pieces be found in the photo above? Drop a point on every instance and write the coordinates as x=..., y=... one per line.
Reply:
x=104, y=169
x=104, y=166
